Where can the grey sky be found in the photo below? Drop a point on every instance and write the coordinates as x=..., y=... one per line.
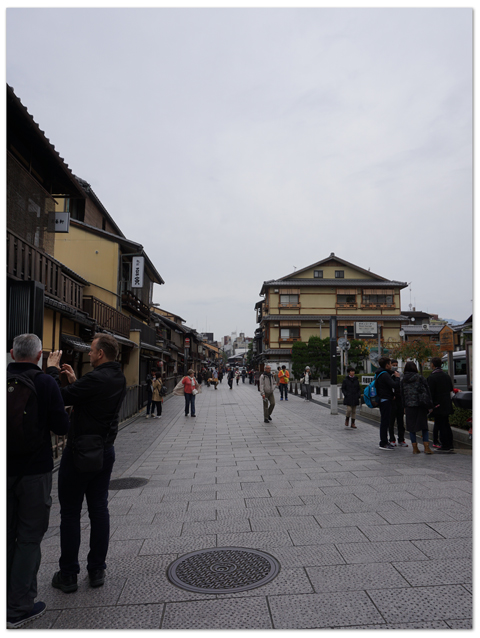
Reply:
x=237, y=144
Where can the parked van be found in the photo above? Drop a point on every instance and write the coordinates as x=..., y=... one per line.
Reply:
x=459, y=369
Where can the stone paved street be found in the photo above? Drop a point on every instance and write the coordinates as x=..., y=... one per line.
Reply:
x=365, y=538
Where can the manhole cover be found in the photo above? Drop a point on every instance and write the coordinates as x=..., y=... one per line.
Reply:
x=127, y=483
x=223, y=570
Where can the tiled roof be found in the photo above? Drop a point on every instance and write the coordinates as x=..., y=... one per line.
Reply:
x=338, y=317
x=335, y=283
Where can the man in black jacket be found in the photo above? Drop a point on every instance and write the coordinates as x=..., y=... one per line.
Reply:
x=385, y=385
x=441, y=386
x=96, y=399
x=29, y=484
x=397, y=413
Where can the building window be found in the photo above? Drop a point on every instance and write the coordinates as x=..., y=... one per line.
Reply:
x=375, y=300
x=339, y=274
x=346, y=299
x=288, y=299
x=289, y=333
x=318, y=274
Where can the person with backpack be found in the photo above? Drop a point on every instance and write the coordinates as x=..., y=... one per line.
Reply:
x=351, y=395
x=88, y=458
x=34, y=408
x=385, y=384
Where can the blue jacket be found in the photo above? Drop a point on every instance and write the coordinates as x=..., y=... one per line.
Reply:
x=52, y=417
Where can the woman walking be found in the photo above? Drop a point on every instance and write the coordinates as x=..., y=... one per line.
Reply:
x=351, y=395
x=418, y=403
x=148, y=381
x=190, y=386
x=157, y=398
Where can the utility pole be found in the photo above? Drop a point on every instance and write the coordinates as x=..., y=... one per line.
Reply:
x=333, y=366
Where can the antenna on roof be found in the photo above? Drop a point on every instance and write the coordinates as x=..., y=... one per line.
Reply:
x=294, y=268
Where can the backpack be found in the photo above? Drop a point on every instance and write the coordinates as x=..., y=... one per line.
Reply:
x=370, y=393
x=24, y=434
x=163, y=391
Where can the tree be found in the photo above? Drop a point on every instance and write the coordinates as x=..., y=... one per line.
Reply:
x=299, y=358
x=319, y=356
x=359, y=350
x=418, y=349
x=250, y=354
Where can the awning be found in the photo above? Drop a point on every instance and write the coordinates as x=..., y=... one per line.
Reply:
x=125, y=342
x=76, y=343
x=147, y=346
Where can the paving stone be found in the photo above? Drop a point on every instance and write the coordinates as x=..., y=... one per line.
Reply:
x=227, y=613
x=327, y=535
x=285, y=522
x=128, y=532
x=437, y=624
x=398, y=532
x=289, y=581
x=312, y=611
x=224, y=526
x=255, y=540
x=461, y=548
x=436, y=572
x=349, y=520
x=429, y=603
x=381, y=552
x=460, y=624
x=355, y=577
x=454, y=529
x=131, y=617
x=308, y=556
x=180, y=544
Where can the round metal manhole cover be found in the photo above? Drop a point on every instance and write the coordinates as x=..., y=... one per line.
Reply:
x=223, y=570
x=127, y=483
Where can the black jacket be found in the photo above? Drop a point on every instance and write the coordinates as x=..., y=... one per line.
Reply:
x=52, y=417
x=415, y=392
x=440, y=385
x=96, y=399
x=386, y=384
x=351, y=390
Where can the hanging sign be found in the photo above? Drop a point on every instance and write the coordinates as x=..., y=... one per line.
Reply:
x=137, y=272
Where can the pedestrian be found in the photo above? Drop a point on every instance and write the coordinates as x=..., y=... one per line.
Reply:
x=29, y=473
x=215, y=377
x=251, y=376
x=244, y=375
x=148, y=383
x=283, y=379
x=385, y=384
x=237, y=376
x=418, y=403
x=220, y=375
x=351, y=395
x=267, y=386
x=307, y=376
x=441, y=387
x=157, y=398
x=190, y=386
x=96, y=399
x=231, y=376
x=397, y=413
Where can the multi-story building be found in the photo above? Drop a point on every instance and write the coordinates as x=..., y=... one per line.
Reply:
x=300, y=304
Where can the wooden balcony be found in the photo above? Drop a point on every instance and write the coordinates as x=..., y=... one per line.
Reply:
x=350, y=306
x=28, y=263
x=135, y=305
x=289, y=305
x=288, y=339
x=379, y=306
x=106, y=316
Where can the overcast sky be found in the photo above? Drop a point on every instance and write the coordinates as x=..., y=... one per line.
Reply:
x=238, y=144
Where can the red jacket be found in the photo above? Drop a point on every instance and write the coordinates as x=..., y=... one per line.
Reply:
x=187, y=384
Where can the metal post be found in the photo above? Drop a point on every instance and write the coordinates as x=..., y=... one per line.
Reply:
x=379, y=342
x=333, y=366
x=346, y=351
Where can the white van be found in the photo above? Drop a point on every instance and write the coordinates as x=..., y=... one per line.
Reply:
x=459, y=369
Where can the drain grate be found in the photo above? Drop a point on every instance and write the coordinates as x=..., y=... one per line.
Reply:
x=223, y=570
x=127, y=483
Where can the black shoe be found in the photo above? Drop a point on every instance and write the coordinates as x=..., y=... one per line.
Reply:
x=66, y=582
x=193, y=416
x=96, y=577
x=444, y=450
x=269, y=418
x=38, y=610
x=266, y=421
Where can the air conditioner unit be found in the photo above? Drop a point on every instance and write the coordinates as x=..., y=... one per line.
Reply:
x=425, y=326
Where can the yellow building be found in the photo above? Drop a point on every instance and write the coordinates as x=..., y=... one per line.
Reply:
x=300, y=304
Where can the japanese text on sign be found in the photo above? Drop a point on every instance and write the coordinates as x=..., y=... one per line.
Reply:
x=137, y=272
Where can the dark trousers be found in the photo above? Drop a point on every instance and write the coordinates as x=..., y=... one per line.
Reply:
x=28, y=513
x=446, y=436
x=308, y=391
x=385, y=412
x=230, y=383
x=436, y=432
x=283, y=390
x=73, y=486
x=190, y=403
x=149, y=403
x=397, y=415
x=158, y=405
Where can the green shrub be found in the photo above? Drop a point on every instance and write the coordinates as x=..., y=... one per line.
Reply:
x=459, y=418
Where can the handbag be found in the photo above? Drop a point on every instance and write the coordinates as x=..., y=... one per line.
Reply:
x=88, y=452
x=194, y=392
x=179, y=390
